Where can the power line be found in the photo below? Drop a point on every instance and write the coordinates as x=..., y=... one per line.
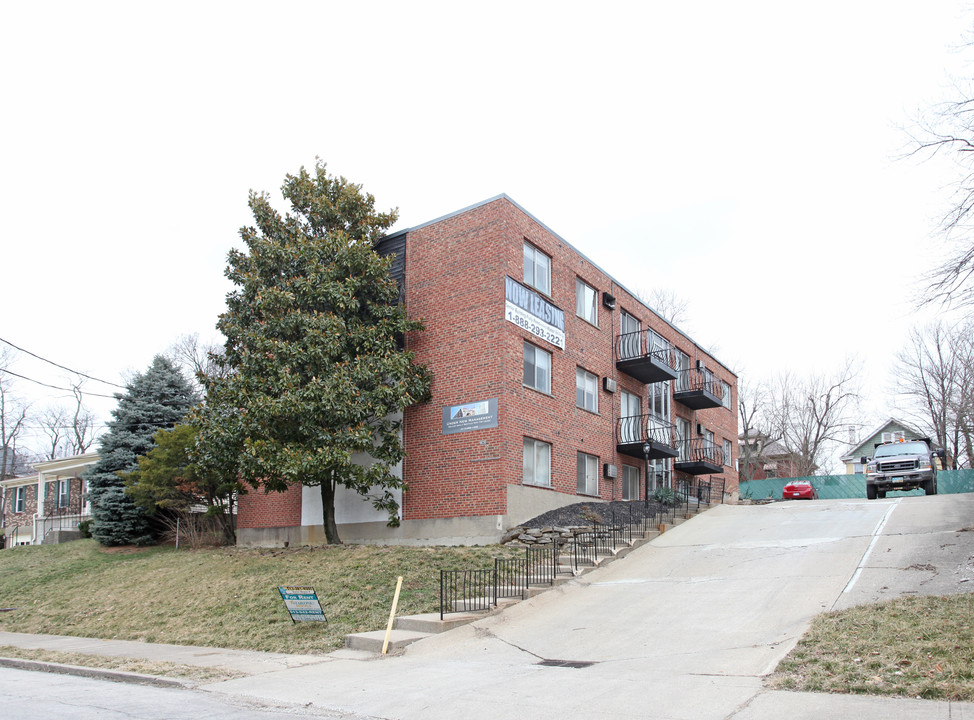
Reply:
x=54, y=387
x=51, y=362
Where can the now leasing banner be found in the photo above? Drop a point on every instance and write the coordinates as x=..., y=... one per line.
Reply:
x=302, y=603
x=527, y=309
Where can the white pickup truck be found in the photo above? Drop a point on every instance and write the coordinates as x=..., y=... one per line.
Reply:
x=902, y=465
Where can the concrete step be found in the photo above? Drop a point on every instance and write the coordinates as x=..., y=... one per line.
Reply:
x=475, y=604
x=430, y=622
x=372, y=641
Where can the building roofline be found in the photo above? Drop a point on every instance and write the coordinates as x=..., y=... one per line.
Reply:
x=851, y=452
x=508, y=198
x=18, y=481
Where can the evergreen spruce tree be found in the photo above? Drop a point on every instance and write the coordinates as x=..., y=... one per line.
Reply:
x=156, y=399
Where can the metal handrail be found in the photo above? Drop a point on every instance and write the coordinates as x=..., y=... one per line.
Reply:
x=643, y=344
x=700, y=450
x=695, y=378
x=645, y=428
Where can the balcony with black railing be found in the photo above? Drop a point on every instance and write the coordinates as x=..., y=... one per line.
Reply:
x=698, y=456
x=698, y=389
x=641, y=434
x=644, y=356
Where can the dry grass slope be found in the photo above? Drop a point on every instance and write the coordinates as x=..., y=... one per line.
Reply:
x=220, y=597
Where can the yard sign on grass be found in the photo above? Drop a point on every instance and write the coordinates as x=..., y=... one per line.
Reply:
x=302, y=603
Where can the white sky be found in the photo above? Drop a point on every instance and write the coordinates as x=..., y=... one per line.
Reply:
x=742, y=154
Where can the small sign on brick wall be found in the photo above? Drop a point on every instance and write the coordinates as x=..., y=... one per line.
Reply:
x=470, y=416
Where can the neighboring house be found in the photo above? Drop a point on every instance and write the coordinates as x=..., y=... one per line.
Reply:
x=766, y=458
x=549, y=381
x=46, y=507
x=891, y=430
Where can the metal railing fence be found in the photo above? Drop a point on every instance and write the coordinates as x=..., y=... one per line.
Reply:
x=480, y=590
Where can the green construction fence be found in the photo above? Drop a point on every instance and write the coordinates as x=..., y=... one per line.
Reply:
x=832, y=487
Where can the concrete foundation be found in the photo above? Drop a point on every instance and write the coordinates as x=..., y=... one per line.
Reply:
x=523, y=503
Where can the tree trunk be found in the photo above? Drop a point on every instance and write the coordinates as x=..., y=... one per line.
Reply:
x=328, y=512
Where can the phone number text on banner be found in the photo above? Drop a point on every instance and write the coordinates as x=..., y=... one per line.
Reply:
x=524, y=319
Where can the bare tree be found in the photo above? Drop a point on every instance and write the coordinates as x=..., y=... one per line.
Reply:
x=811, y=415
x=196, y=359
x=13, y=414
x=947, y=129
x=666, y=303
x=935, y=370
x=752, y=401
x=53, y=424
x=68, y=432
x=82, y=424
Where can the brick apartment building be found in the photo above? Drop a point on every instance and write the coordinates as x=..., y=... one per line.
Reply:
x=551, y=385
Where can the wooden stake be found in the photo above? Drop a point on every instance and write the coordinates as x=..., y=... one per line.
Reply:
x=392, y=616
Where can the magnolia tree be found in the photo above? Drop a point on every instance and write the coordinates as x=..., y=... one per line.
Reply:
x=313, y=371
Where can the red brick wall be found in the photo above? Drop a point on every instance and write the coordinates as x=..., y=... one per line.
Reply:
x=258, y=509
x=52, y=500
x=455, y=272
x=14, y=519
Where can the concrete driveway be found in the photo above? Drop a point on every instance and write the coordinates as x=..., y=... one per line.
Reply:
x=683, y=628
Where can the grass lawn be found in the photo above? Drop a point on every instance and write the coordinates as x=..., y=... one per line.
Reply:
x=220, y=597
x=909, y=647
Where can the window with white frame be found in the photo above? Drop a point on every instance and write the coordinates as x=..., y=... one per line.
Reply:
x=588, y=474
x=537, y=269
x=586, y=390
x=537, y=368
x=630, y=340
x=630, y=420
x=728, y=458
x=630, y=482
x=893, y=436
x=659, y=473
x=537, y=462
x=659, y=400
x=709, y=449
x=726, y=394
x=20, y=499
x=682, y=370
x=63, y=493
x=683, y=437
x=585, y=305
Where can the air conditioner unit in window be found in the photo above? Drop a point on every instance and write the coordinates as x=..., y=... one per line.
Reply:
x=609, y=384
x=609, y=301
x=699, y=429
x=610, y=471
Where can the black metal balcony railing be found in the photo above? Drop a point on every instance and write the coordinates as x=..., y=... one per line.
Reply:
x=699, y=456
x=644, y=356
x=698, y=388
x=632, y=433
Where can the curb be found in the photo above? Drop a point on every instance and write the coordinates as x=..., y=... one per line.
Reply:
x=95, y=673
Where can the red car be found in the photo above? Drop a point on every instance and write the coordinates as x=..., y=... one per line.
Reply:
x=799, y=490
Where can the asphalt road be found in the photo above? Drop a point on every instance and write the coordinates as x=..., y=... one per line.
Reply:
x=684, y=628
x=681, y=629
x=26, y=695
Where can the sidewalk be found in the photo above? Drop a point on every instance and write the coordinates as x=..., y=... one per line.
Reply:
x=246, y=662
x=285, y=679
